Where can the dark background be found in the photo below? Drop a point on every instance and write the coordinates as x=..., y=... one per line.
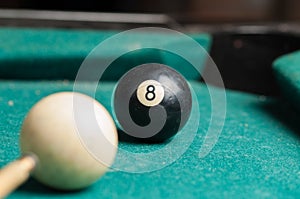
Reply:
x=204, y=11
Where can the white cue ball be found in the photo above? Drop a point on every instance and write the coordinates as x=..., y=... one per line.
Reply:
x=50, y=132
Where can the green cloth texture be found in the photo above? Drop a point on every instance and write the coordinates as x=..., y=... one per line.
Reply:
x=257, y=154
x=287, y=72
x=58, y=54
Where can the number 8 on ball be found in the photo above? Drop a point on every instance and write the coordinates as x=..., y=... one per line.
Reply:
x=150, y=93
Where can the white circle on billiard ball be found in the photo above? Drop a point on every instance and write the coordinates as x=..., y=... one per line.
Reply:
x=150, y=93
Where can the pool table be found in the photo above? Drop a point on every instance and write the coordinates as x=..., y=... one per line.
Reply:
x=257, y=154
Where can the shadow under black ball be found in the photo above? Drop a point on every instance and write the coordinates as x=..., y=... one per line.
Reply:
x=152, y=102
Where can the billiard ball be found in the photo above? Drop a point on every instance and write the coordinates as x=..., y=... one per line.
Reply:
x=152, y=102
x=50, y=131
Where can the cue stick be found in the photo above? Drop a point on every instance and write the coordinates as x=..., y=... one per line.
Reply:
x=15, y=174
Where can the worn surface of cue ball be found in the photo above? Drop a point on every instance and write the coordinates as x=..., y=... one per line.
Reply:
x=50, y=132
x=152, y=102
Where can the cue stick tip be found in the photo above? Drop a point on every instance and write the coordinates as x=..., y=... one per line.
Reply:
x=16, y=173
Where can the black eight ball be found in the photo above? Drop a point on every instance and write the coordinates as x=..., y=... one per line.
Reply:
x=152, y=102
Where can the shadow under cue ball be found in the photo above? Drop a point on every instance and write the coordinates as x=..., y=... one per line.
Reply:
x=152, y=102
x=51, y=132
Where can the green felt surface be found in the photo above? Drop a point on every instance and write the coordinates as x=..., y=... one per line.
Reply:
x=287, y=72
x=58, y=54
x=257, y=155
